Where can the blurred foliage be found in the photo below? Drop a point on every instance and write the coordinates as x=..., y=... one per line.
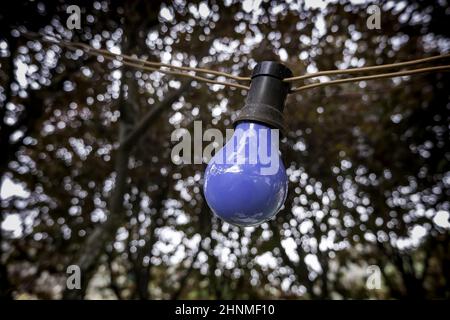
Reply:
x=368, y=162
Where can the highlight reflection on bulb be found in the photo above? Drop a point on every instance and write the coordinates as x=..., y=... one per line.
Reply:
x=246, y=182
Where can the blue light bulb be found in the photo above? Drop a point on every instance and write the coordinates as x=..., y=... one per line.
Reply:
x=246, y=182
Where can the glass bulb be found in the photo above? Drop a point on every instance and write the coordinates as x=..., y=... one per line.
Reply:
x=245, y=181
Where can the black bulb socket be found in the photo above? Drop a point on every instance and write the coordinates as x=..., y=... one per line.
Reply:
x=267, y=95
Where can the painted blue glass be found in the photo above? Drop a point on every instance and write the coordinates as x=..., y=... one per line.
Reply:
x=245, y=181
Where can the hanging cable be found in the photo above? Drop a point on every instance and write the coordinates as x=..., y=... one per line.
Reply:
x=143, y=64
x=175, y=73
x=364, y=69
x=165, y=68
x=159, y=64
x=373, y=77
